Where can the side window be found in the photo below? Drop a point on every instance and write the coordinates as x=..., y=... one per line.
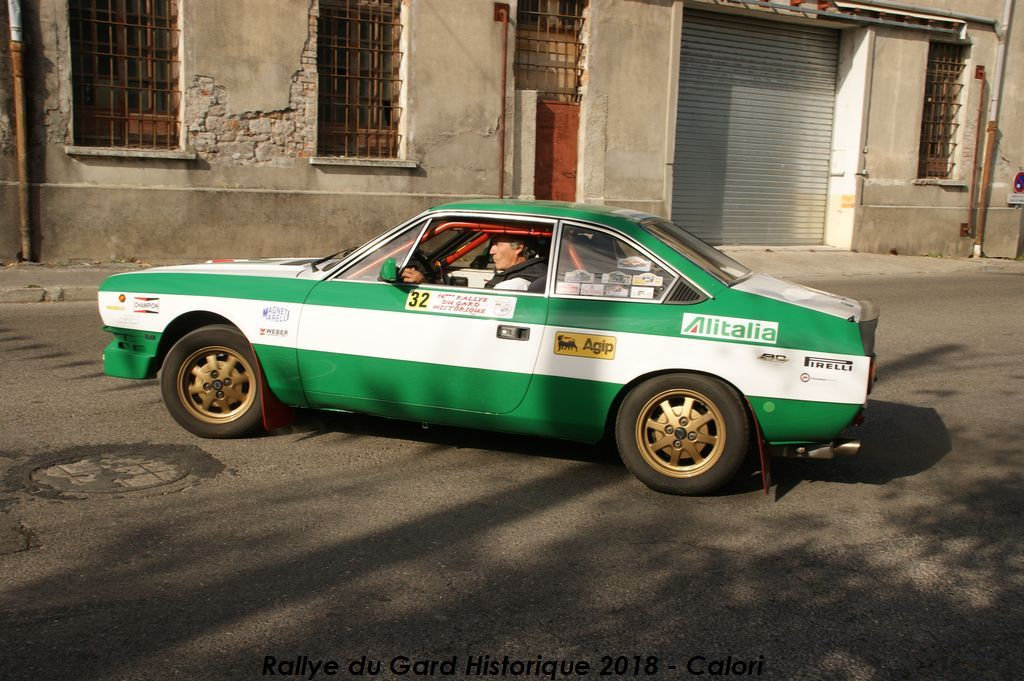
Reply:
x=367, y=268
x=595, y=264
x=482, y=252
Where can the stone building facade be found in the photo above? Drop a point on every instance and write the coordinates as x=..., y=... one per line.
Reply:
x=241, y=167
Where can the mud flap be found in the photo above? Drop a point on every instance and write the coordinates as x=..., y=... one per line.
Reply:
x=766, y=471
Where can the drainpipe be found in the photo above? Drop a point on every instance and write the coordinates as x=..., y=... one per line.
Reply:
x=20, y=121
x=992, y=128
x=501, y=14
x=972, y=202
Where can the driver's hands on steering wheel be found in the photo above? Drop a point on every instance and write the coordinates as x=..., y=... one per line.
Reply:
x=411, y=275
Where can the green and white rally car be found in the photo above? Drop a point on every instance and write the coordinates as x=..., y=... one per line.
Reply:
x=639, y=330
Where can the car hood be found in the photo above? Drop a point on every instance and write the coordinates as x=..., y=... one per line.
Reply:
x=768, y=286
x=268, y=267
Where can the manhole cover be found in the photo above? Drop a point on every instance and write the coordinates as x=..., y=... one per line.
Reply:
x=110, y=473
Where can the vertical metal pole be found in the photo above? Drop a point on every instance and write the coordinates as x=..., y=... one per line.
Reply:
x=972, y=207
x=501, y=14
x=21, y=123
x=992, y=129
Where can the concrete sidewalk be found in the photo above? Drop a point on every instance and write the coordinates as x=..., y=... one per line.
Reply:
x=36, y=283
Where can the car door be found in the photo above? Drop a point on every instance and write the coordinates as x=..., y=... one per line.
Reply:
x=389, y=348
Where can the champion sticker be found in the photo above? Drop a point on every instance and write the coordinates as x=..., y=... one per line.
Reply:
x=146, y=305
x=470, y=304
x=584, y=345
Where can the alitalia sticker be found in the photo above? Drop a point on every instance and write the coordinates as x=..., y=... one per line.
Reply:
x=584, y=345
x=146, y=305
x=730, y=328
x=470, y=304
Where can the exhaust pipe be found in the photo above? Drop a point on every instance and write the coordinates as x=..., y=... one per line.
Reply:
x=829, y=451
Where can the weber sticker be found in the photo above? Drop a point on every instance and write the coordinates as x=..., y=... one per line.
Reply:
x=584, y=345
x=470, y=304
x=730, y=328
x=146, y=305
x=829, y=363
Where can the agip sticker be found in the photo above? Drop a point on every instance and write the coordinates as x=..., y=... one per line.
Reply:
x=469, y=304
x=584, y=345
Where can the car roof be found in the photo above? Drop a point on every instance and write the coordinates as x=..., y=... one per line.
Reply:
x=561, y=209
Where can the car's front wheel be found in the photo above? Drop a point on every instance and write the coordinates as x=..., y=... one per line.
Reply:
x=210, y=384
x=682, y=433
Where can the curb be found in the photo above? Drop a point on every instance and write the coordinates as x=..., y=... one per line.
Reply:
x=50, y=294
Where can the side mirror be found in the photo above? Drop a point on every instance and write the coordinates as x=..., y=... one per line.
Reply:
x=389, y=271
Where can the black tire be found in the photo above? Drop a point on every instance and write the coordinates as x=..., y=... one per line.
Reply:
x=210, y=383
x=700, y=459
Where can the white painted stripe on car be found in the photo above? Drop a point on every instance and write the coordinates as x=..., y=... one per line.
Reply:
x=472, y=343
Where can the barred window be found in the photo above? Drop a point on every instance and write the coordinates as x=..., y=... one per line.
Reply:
x=939, y=122
x=125, y=73
x=549, y=48
x=358, y=60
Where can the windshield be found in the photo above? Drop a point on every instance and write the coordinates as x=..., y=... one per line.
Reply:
x=704, y=254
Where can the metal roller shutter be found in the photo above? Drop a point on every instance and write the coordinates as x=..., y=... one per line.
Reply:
x=754, y=129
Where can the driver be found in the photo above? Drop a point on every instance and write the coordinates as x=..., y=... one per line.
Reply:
x=518, y=262
x=517, y=259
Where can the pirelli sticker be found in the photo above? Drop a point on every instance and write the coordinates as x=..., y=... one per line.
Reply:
x=584, y=345
x=469, y=304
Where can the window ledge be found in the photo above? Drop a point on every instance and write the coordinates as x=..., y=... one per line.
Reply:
x=931, y=181
x=124, y=152
x=363, y=162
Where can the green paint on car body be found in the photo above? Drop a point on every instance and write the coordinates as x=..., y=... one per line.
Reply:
x=276, y=289
x=786, y=421
x=280, y=368
x=339, y=378
x=132, y=353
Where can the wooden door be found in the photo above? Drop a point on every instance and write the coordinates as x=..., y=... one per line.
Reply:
x=555, y=172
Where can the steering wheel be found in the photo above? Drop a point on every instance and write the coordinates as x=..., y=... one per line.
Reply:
x=432, y=272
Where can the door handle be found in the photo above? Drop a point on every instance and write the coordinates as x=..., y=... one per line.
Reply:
x=520, y=333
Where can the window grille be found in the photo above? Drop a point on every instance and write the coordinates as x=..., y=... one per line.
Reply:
x=939, y=122
x=358, y=60
x=125, y=72
x=549, y=48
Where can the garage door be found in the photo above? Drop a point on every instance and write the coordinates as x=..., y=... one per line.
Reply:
x=754, y=129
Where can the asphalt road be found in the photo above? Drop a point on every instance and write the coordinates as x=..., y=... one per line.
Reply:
x=345, y=536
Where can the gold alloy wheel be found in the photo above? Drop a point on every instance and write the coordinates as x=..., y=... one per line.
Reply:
x=680, y=433
x=216, y=384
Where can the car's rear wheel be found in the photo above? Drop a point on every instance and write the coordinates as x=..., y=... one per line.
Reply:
x=210, y=384
x=682, y=433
